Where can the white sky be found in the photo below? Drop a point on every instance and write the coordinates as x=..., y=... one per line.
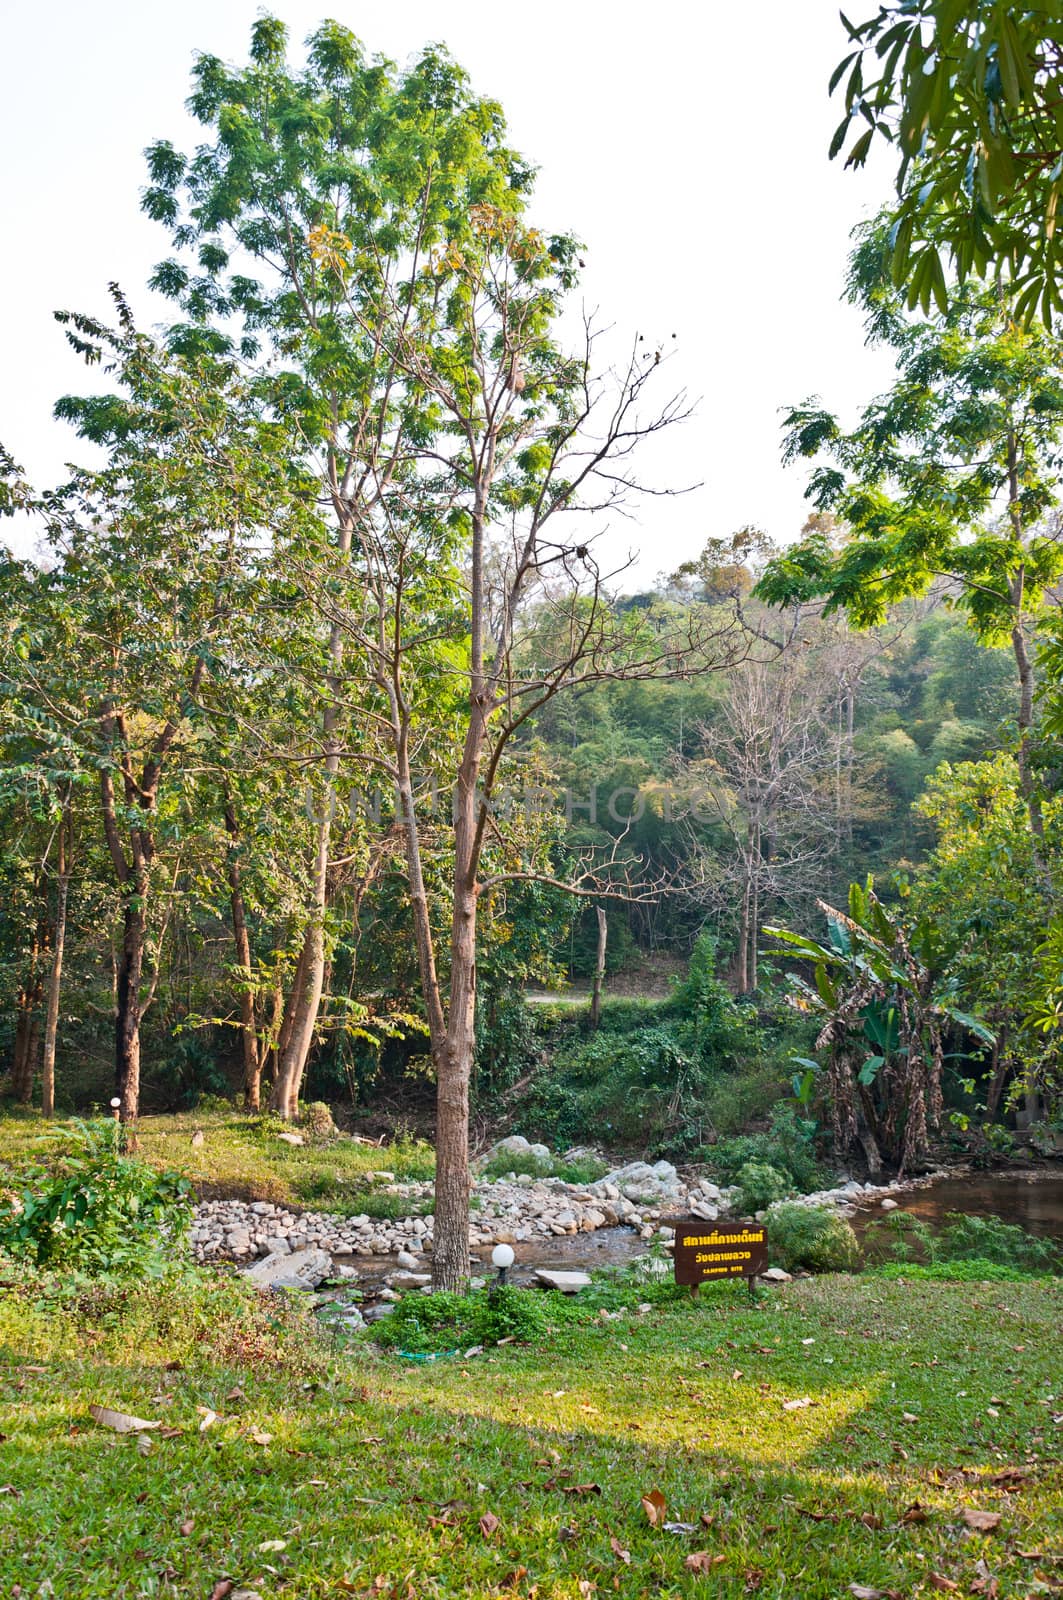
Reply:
x=685, y=143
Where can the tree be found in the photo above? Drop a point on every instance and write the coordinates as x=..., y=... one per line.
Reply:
x=950, y=478
x=885, y=999
x=153, y=556
x=408, y=308
x=968, y=92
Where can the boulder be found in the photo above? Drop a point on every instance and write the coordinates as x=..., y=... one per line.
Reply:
x=299, y=1269
x=408, y=1262
x=291, y=1138
x=776, y=1275
x=566, y=1282
x=887, y=1204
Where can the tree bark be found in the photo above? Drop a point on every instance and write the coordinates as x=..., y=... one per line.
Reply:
x=599, y=967
x=27, y=1029
x=241, y=940
x=128, y=1008
x=51, y=1025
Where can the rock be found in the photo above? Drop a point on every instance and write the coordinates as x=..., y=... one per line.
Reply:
x=291, y=1138
x=377, y=1313
x=705, y=1210
x=408, y=1262
x=410, y=1280
x=566, y=1282
x=776, y=1275
x=389, y=1294
x=888, y=1204
x=277, y=1245
x=300, y=1269
x=381, y=1177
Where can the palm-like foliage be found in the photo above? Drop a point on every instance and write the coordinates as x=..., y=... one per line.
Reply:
x=885, y=1002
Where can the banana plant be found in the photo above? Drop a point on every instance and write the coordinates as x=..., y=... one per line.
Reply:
x=885, y=1000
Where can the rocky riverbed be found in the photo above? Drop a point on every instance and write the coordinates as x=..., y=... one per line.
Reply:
x=514, y=1209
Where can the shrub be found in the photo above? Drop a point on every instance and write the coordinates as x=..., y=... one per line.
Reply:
x=316, y=1121
x=815, y=1238
x=904, y=1239
x=788, y=1145
x=422, y=1323
x=100, y=1210
x=525, y=1163
x=760, y=1186
x=972, y=1271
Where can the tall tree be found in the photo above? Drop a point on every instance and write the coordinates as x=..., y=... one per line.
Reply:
x=411, y=307
x=951, y=478
x=970, y=95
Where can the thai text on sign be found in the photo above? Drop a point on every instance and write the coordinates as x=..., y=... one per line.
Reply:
x=708, y=1250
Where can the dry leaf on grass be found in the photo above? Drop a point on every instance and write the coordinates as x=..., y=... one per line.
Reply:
x=981, y=1521
x=619, y=1552
x=185, y=1528
x=798, y=1405
x=120, y=1421
x=913, y=1514
x=258, y=1437
x=942, y=1584
x=702, y=1561
x=489, y=1524
x=208, y=1417
x=865, y=1591
x=654, y=1506
x=223, y=1587
x=581, y=1488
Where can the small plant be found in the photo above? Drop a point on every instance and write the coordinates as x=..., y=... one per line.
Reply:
x=524, y=1163
x=422, y=1323
x=100, y=1210
x=316, y=1122
x=904, y=1239
x=760, y=1186
x=581, y=1170
x=814, y=1238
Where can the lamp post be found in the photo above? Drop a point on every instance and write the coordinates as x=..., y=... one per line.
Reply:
x=502, y=1258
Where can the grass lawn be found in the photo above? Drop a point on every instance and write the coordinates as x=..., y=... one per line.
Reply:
x=242, y=1157
x=521, y=1472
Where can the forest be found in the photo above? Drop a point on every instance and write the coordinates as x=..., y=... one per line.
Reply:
x=338, y=753
x=524, y=1075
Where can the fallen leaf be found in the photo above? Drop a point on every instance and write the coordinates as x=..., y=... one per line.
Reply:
x=981, y=1521
x=798, y=1405
x=914, y=1513
x=261, y=1438
x=581, y=1488
x=586, y=1587
x=223, y=1587
x=619, y=1552
x=9, y=1488
x=708, y=1518
x=268, y=1545
x=944, y=1585
x=489, y=1524
x=120, y=1421
x=654, y=1506
x=984, y=1582
x=170, y=1433
x=702, y=1561
x=236, y=1394
x=143, y=1444
x=870, y=1519
x=185, y=1528
x=815, y=1516
x=909, y=1416
x=864, y=1591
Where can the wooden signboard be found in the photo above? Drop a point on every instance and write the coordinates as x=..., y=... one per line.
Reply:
x=706, y=1251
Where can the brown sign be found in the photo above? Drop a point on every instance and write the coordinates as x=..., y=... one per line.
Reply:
x=705, y=1251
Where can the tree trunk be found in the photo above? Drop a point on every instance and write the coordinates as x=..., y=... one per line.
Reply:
x=599, y=967
x=241, y=940
x=51, y=1025
x=127, y=1007
x=742, y=972
x=27, y=1030
x=450, y=1249
x=754, y=919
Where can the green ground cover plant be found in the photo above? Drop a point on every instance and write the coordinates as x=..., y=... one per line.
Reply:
x=838, y=1432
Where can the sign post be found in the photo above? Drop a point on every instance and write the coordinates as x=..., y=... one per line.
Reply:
x=708, y=1251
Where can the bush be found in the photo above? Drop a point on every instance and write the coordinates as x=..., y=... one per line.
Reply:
x=760, y=1186
x=814, y=1238
x=973, y=1271
x=904, y=1239
x=99, y=1211
x=422, y=1323
x=788, y=1146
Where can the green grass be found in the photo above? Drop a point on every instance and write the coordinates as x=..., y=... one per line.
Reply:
x=377, y=1472
x=241, y=1157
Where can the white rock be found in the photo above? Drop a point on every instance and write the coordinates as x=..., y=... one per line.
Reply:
x=301, y=1269
x=291, y=1138
x=888, y=1204
x=408, y=1262
x=567, y=1282
x=776, y=1275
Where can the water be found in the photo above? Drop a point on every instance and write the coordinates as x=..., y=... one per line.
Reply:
x=1029, y=1200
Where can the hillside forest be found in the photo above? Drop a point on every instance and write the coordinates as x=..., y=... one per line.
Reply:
x=342, y=759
